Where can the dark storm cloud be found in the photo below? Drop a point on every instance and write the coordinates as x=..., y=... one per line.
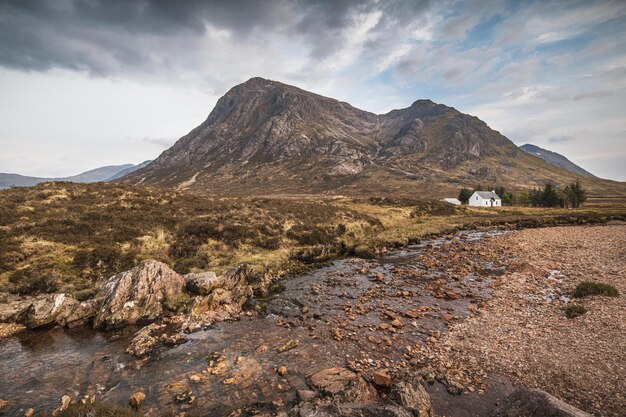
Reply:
x=108, y=37
x=101, y=36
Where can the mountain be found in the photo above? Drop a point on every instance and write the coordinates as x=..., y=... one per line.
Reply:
x=265, y=137
x=128, y=170
x=106, y=173
x=555, y=159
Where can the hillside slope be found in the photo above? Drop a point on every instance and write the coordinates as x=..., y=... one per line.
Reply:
x=555, y=159
x=265, y=137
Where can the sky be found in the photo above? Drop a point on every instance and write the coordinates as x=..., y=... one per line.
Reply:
x=87, y=83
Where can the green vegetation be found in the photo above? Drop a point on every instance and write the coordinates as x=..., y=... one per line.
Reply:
x=574, y=310
x=587, y=288
x=572, y=195
x=72, y=237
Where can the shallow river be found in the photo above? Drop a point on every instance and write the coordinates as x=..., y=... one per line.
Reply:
x=345, y=300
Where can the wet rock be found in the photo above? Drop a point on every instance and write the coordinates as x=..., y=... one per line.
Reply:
x=228, y=293
x=291, y=344
x=137, y=295
x=44, y=309
x=282, y=370
x=145, y=340
x=344, y=384
x=382, y=378
x=77, y=313
x=306, y=395
x=282, y=307
x=414, y=398
x=526, y=402
x=65, y=403
x=184, y=397
x=137, y=399
x=29, y=412
x=261, y=349
x=333, y=380
x=4, y=406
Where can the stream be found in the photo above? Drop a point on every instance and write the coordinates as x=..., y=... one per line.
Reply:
x=334, y=312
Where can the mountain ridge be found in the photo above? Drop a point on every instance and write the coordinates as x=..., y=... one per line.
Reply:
x=264, y=136
x=105, y=173
x=555, y=159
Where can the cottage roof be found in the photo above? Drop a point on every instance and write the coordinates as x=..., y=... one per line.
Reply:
x=488, y=195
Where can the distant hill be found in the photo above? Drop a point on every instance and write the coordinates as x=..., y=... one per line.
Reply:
x=128, y=170
x=266, y=137
x=555, y=159
x=106, y=173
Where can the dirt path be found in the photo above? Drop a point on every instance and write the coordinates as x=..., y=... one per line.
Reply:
x=523, y=332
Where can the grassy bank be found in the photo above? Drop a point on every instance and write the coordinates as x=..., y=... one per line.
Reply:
x=72, y=237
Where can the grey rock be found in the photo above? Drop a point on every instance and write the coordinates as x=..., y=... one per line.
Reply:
x=413, y=397
x=283, y=307
x=527, y=402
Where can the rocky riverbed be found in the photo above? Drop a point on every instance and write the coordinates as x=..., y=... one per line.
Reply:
x=372, y=331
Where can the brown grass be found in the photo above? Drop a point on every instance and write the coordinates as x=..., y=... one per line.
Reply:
x=72, y=237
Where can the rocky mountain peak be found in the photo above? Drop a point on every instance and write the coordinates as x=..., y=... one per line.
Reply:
x=268, y=136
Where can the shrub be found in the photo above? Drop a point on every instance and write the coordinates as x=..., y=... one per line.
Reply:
x=106, y=259
x=310, y=235
x=587, y=288
x=31, y=281
x=574, y=310
x=176, y=302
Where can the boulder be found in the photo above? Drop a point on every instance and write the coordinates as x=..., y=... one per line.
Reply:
x=282, y=307
x=77, y=313
x=137, y=295
x=203, y=283
x=228, y=293
x=526, y=402
x=344, y=384
x=137, y=399
x=413, y=397
x=44, y=309
x=145, y=340
x=382, y=378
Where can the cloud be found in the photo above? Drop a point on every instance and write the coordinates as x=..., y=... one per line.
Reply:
x=537, y=70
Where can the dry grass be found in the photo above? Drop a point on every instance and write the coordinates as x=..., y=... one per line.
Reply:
x=72, y=237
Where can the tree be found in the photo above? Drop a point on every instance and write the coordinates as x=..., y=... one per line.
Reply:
x=534, y=197
x=575, y=194
x=464, y=195
x=506, y=196
x=549, y=196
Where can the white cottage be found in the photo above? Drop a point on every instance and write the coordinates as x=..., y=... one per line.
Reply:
x=485, y=199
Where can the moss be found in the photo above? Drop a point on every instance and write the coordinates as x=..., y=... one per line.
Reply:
x=177, y=302
x=574, y=310
x=587, y=288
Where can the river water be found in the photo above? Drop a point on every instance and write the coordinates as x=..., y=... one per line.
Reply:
x=346, y=301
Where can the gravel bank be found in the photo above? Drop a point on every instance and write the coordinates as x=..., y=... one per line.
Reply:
x=522, y=332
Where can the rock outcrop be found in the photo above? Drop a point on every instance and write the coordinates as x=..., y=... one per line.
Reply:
x=153, y=337
x=137, y=295
x=223, y=300
x=49, y=309
x=344, y=385
x=526, y=402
